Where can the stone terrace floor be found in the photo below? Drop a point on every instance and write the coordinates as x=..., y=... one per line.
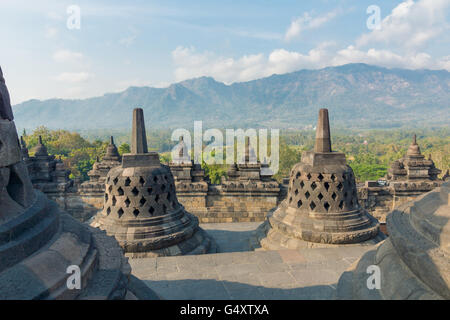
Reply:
x=237, y=273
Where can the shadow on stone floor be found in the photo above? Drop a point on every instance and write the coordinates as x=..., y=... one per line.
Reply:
x=231, y=241
x=211, y=289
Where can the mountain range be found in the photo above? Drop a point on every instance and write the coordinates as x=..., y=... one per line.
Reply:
x=357, y=96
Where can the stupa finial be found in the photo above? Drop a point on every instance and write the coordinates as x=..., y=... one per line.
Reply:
x=323, y=140
x=138, y=138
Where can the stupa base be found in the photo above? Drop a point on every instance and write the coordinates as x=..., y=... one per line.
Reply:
x=277, y=234
x=413, y=261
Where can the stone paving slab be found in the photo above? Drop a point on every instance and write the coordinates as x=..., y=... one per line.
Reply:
x=231, y=237
x=272, y=275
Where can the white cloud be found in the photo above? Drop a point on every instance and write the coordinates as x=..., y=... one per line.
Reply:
x=410, y=25
x=73, y=77
x=51, y=32
x=307, y=22
x=67, y=56
x=191, y=64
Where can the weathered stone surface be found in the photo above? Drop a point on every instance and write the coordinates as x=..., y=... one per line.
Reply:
x=407, y=178
x=414, y=261
x=321, y=207
x=38, y=242
x=141, y=209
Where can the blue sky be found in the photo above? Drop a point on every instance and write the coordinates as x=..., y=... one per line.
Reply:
x=156, y=43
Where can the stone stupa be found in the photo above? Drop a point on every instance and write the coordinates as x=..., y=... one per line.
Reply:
x=413, y=166
x=414, y=262
x=100, y=169
x=39, y=243
x=321, y=208
x=141, y=209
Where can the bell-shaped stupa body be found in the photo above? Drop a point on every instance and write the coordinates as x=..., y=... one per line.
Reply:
x=141, y=209
x=322, y=205
x=414, y=262
x=41, y=246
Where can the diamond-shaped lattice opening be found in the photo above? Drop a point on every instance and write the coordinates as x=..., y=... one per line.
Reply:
x=312, y=205
x=149, y=190
x=290, y=199
x=333, y=177
x=136, y=212
x=298, y=175
x=164, y=208
x=302, y=184
x=163, y=187
x=320, y=196
x=120, y=212
x=313, y=186
x=345, y=194
x=142, y=201
x=296, y=192
x=106, y=197
x=135, y=191
x=344, y=177
x=155, y=179
x=157, y=198
x=334, y=196
x=341, y=204
x=326, y=205
x=307, y=195
x=326, y=185
x=299, y=203
x=308, y=176
x=115, y=180
x=165, y=177
x=340, y=186
x=127, y=202
x=110, y=189
x=320, y=177
x=114, y=201
x=107, y=179
x=351, y=203
x=108, y=211
x=168, y=196
x=141, y=181
x=151, y=210
x=127, y=181
x=120, y=191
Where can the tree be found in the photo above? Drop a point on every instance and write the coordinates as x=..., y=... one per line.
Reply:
x=124, y=148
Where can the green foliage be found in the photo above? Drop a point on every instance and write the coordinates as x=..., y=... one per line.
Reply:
x=77, y=153
x=215, y=172
x=369, y=153
x=124, y=148
x=289, y=156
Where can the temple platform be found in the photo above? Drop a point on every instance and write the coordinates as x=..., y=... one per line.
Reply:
x=236, y=273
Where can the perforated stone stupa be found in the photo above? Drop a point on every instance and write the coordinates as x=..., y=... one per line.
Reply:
x=39, y=242
x=414, y=262
x=141, y=209
x=321, y=207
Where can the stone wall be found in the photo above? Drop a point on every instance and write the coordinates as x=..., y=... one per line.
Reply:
x=379, y=200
